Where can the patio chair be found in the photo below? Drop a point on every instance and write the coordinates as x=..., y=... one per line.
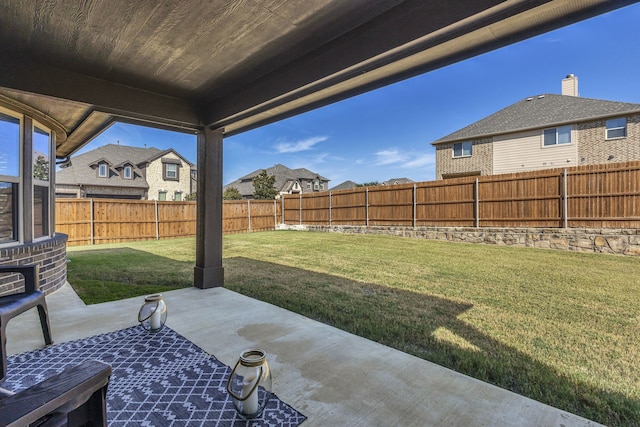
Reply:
x=74, y=397
x=14, y=304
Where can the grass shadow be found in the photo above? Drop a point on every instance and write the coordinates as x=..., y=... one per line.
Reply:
x=428, y=327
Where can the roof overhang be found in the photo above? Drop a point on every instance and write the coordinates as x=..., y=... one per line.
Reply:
x=236, y=65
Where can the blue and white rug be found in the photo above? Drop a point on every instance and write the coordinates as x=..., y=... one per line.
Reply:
x=159, y=379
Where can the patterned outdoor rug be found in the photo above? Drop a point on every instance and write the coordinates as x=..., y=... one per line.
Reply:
x=159, y=379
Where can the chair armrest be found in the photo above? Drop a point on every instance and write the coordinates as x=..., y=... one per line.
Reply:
x=63, y=392
x=30, y=272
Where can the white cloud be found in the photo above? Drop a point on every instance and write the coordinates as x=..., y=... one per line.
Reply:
x=421, y=161
x=303, y=145
x=389, y=157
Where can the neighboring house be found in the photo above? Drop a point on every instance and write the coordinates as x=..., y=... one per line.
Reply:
x=288, y=181
x=541, y=132
x=396, y=181
x=347, y=185
x=123, y=172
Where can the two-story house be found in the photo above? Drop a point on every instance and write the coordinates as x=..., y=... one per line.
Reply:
x=541, y=132
x=288, y=181
x=124, y=172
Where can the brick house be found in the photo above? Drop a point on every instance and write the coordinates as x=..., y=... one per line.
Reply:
x=288, y=181
x=541, y=132
x=123, y=172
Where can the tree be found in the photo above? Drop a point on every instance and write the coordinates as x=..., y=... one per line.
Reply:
x=263, y=185
x=41, y=169
x=231, y=193
x=192, y=197
x=368, y=184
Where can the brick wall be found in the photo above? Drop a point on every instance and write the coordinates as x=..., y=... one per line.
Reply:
x=593, y=148
x=481, y=159
x=50, y=254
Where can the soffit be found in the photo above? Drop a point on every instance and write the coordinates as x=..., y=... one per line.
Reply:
x=238, y=64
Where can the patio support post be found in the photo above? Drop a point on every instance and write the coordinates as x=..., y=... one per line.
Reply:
x=208, y=272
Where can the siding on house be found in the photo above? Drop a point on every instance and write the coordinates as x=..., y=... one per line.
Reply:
x=524, y=151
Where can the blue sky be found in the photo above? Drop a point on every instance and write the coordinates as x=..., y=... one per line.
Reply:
x=387, y=133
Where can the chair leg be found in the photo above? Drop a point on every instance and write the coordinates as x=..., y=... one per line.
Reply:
x=3, y=350
x=44, y=322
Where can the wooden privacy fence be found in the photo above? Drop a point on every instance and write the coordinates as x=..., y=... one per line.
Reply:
x=598, y=196
x=95, y=221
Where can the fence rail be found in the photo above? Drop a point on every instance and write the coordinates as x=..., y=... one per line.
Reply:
x=599, y=196
x=95, y=221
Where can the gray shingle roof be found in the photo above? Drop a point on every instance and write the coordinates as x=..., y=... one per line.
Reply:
x=347, y=185
x=80, y=173
x=539, y=112
x=283, y=175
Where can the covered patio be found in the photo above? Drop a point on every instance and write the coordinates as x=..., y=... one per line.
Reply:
x=333, y=377
x=215, y=69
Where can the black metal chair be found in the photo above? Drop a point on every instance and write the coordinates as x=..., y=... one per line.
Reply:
x=14, y=304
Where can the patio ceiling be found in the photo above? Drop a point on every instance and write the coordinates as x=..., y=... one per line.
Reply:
x=239, y=64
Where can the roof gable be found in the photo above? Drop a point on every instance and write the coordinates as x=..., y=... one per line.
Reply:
x=539, y=112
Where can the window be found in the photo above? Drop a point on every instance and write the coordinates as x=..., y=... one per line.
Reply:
x=40, y=211
x=462, y=149
x=308, y=185
x=41, y=179
x=9, y=176
x=616, y=128
x=322, y=185
x=127, y=172
x=177, y=196
x=316, y=185
x=102, y=170
x=557, y=136
x=162, y=196
x=170, y=171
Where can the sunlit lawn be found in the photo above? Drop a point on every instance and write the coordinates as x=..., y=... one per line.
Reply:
x=559, y=327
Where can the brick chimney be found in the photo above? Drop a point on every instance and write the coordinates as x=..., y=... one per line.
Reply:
x=570, y=85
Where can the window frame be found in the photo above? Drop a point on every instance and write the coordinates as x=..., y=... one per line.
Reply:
x=165, y=170
x=162, y=196
x=462, y=150
x=16, y=183
x=106, y=170
x=177, y=196
x=607, y=129
x=47, y=203
x=556, y=132
x=125, y=169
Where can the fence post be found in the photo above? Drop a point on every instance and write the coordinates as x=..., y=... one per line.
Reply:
x=91, y=220
x=565, y=207
x=300, y=204
x=275, y=214
x=414, y=205
x=476, y=196
x=249, y=213
x=367, y=203
x=157, y=221
x=329, y=208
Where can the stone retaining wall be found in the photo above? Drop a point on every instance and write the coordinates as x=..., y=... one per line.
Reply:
x=51, y=254
x=609, y=241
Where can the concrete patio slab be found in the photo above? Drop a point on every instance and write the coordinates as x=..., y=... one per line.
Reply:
x=333, y=377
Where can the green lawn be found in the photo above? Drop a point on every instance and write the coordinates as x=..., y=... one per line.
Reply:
x=559, y=327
